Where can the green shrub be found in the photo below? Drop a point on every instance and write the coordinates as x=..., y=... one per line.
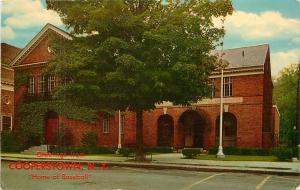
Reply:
x=295, y=151
x=9, y=142
x=126, y=151
x=213, y=150
x=82, y=149
x=283, y=153
x=191, y=152
x=89, y=139
x=158, y=149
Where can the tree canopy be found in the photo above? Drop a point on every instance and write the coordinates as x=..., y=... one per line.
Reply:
x=132, y=54
x=285, y=97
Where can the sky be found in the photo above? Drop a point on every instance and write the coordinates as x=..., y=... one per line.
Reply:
x=254, y=22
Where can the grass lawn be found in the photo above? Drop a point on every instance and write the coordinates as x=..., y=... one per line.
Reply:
x=239, y=158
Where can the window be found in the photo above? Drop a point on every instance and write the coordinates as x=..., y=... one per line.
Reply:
x=106, y=124
x=31, y=86
x=66, y=80
x=51, y=83
x=6, y=123
x=212, y=87
x=122, y=123
x=41, y=85
x=227, y=86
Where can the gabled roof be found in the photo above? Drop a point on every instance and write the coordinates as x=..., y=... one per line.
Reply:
x=36, y=39
x=8, y=53
x=245, y=56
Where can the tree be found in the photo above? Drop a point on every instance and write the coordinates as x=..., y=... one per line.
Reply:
x=132, y=54
x=285, y=97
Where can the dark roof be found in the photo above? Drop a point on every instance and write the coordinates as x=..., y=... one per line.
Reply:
x=244, y=56
x=8, y=53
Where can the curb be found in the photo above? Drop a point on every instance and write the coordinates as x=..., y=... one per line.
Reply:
x=163, y=166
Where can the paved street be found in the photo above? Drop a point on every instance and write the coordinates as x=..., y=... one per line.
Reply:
x=116, y=178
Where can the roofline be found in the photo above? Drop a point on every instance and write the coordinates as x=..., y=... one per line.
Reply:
x=11, y=45
x=245, y=47
x=38, y=36
x=277, y=110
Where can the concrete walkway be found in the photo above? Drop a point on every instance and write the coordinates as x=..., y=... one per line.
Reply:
x=173, y=161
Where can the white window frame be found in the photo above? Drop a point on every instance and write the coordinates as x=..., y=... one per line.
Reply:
x=122, y=124
x=10, y=116
x=51, y=83
x=42, y=81
x=227, y=86
x=105, y=125
x=66, y=80
x=31, y=85
x=212, y=85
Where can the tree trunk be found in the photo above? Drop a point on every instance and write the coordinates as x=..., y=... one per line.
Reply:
x=140, y=156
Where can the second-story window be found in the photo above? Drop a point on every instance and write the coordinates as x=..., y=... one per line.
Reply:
x=51, y=83
x=212, y=88
x=6, y=123
x=41, y=85
x=227, y=86
x=106, y=124
x=31, y=85
x=66, y=80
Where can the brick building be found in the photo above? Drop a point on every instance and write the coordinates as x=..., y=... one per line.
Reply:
x=8, y=53
x=250, y=119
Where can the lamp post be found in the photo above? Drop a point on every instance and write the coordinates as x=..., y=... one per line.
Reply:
x=220, y=153
x=120, y=136
x=298, y=111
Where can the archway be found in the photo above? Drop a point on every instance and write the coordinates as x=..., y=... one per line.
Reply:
x=193, y=125
x=165, y=130
x=229, y=129
x=51, y=128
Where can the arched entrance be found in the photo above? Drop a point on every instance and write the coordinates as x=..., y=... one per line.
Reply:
x=193, y=126
x=165, y=130
x=51, y=128
x=229, y=129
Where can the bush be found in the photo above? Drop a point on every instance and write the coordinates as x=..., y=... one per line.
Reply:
x=9, y=142
x=191, y=152
x=241, y=151
x=283, y=153
x=126, y=151
x=82, y=149
x=89, y=139
x=158, y=149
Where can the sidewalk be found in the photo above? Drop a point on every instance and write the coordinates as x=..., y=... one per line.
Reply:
x=175, y=161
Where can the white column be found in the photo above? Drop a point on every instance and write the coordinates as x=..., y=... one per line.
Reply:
x=120, y=136
x=220, y=153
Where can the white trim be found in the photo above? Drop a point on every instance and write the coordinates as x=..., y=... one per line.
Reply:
x=6, y=67
x=277, y=110
x=36, y=38
x=227, y=100
x=7, y=87
x=30, y=64
x=237, y=74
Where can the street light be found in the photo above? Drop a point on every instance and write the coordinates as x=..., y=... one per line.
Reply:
x=120, y=130
x=220, y=153
x=298, y=111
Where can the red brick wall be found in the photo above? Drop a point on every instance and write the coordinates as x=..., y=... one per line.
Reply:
x=39, y=53
x=268, y=137
x=252, y=113
x=7, y=80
